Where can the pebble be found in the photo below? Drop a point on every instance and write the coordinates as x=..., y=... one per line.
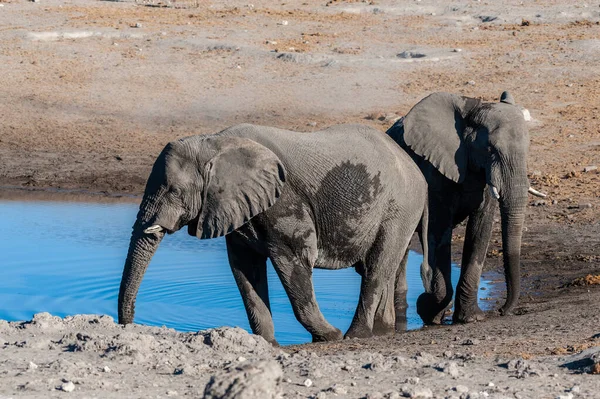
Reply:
x=452, y=369
x=539, y=203
x=137, y=25
x=312, y=124
x=307, y=383
x=590, y=168
x=353, y=384
x=67, y=386
x=422, y=393
x=526, y=115
x=338, y=389
x=106, y=369
x=568, y=395
x=412, y=380
x=457, y=50
x=284, y=23
x=461, y=389
x=471, y=82
x=576, y=389
x=554, y=202
x=172, y=393
x=32, y=366
x=241, y=359
x=471, y=342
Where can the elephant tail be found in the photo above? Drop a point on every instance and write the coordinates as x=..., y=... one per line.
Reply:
x=426, y=270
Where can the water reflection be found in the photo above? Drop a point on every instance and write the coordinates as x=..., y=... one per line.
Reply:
x=67, y=258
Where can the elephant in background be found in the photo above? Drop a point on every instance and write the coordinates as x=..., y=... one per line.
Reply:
x=462, y=145
x=345, y=196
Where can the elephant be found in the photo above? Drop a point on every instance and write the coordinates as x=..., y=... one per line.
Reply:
x=462, y=145
x=344, y=196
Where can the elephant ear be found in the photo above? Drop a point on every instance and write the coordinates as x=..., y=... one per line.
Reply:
x=434, y=130
x=242, y=180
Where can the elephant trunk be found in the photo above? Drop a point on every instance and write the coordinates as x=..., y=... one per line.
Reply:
x=141, y=249
x=513, y=201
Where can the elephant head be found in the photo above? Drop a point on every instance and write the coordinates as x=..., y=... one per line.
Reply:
x=213, y=184
x=459, y=136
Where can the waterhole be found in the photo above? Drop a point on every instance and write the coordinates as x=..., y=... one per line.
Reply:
x=66, y=258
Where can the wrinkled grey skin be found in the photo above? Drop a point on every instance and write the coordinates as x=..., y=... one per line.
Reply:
x=466, y=148
x=345, y=196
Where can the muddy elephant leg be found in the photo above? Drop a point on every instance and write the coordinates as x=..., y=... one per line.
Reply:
x=432, y=305
x=477, y=239
x=400, y=290
x=375, y=314
x=250, y=272
x=296, y=277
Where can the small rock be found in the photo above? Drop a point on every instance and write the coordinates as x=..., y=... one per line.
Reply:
x=338, y=389
x=411, y=54
x=307, y=383
x=452, y=369
x=106, y=369
x=32, y=366
x=67, y=386
x=539, y=203
x=554, y=202
x=576, y=389
x=457, y=50
x=567, y=395
x=471, y=82
x=353, y=384
x=491, y=384
x=461, y=389
x=172, y=393
x=241, y=359
x=311, y=124
x=412, y=380
x=137, y=25
x=283, y=23
x=422, y=393
x=471, y=342
x=526, y=115
x=590, y=168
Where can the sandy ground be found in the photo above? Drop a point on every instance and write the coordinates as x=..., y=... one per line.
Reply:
x=92, y=90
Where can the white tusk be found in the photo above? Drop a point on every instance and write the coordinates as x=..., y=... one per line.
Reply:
x=536, y=192
x=494, y=192
x=153, y=229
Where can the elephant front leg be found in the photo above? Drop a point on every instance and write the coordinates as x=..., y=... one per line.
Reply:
x=250, y=273
x=477, y=239
x=296, y=277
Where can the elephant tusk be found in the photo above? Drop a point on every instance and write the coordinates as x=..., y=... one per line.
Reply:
x=494, y=192
x=536, y=192
x=153, y=229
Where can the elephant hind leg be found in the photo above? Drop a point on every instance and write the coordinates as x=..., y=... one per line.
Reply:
x=250, y=272
x=375, y=313
x=400, y=291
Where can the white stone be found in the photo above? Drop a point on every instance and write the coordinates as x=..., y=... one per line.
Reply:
x=526, y=114
x=67, y=387
x=308, y=383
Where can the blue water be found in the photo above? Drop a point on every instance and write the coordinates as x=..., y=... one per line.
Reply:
x=67, y=258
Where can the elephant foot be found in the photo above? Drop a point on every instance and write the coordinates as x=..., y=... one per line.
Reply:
x=401, y=325
x=506, y=311
x=468, y=316
x=430, y=310
x=358, y=332
x=333, y=335
x=383, y=329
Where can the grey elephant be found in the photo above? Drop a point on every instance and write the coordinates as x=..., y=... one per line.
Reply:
x=463, y=145
x=344, y=196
